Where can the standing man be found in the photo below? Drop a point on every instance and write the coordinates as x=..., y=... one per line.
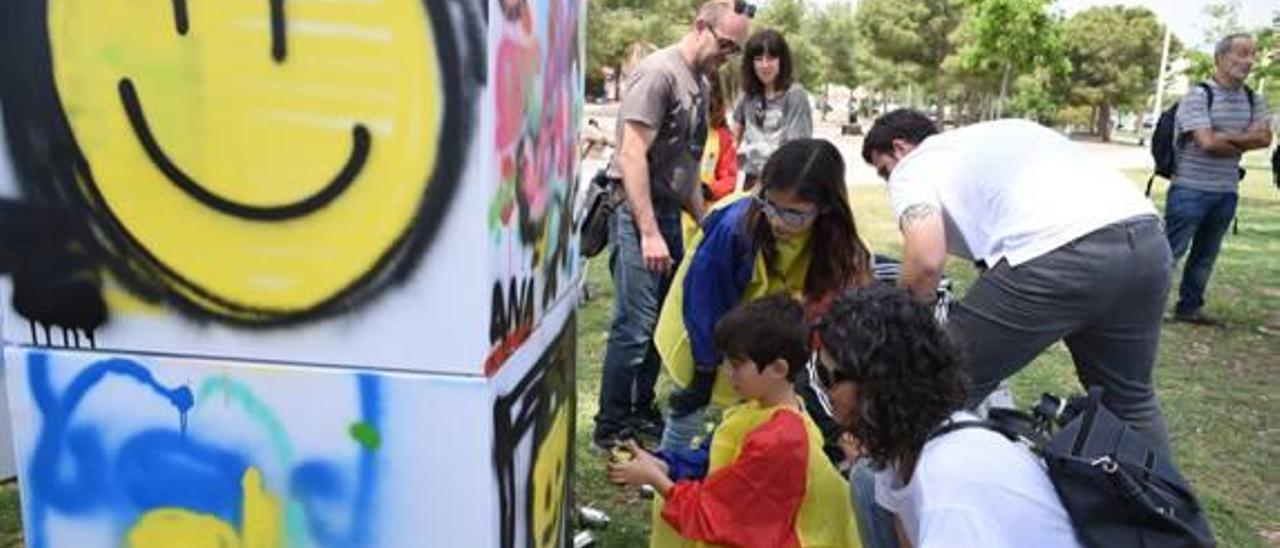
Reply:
x=1216, y=123
x=661, y=131
x=1068, y=250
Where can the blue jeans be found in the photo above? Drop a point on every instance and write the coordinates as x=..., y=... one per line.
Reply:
x=1199, y=220
x=631, y=361
x=680, y=432
x=875, y=523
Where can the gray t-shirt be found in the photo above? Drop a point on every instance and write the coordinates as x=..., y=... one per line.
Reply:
x=664, y=93
x=767, y=124
x=1231, y=114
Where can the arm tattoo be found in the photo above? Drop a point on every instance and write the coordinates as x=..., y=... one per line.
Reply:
x=916, y=214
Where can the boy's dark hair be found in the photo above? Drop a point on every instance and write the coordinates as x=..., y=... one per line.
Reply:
x=766, y=42
x=764, y=330
x=907, y=369
x=909, y=125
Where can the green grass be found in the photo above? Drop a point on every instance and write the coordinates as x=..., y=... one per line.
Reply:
x=1218, y=387
x=10, y=516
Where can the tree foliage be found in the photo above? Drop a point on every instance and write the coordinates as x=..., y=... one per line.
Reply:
x=1016, y=37
x=1115, y=55
x=903, y=42
x=973, y=56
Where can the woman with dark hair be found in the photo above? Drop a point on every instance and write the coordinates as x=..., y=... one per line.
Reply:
x=795, y=235
x=896, y=384
x=774, y=109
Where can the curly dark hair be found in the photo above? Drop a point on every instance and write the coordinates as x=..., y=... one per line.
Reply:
x=814, y=170
x=764, y=330
x=907, y=369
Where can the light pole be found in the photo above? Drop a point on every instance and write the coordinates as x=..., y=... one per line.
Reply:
x=1164, y=65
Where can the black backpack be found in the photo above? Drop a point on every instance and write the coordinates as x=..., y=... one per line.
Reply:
x=1165, y=142
x=1116, y=489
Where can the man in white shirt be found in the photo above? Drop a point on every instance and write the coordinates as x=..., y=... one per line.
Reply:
x=1068, y=250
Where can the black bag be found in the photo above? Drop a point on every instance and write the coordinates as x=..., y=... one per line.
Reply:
x=604, y=195
x=1165, y=141
x=1117, y=490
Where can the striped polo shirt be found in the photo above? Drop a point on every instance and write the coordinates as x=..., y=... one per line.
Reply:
x=1231, y=114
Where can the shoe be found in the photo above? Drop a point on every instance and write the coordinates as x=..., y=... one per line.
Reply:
x=649, y=424
x=1197, y=317
x=604, y=443
x=649, y=428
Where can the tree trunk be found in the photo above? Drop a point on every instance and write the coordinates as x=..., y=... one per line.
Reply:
x=1104, y=122
x=617, y=83
x=1004, y=89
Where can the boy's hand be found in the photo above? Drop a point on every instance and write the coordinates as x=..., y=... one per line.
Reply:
x=639, y=452
x=636, y=472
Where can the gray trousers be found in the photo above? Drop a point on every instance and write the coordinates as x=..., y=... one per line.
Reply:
x=1102, y=294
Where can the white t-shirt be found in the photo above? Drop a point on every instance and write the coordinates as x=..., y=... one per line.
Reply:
x=974, y=487
x=1012, y=189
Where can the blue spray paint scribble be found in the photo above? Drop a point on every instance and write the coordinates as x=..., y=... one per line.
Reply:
x=84, y=490
x=318, y=484
x=160, y=468
x=165, y=469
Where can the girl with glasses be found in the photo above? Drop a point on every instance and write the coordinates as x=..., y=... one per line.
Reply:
x=774, y=109
x=794, y=235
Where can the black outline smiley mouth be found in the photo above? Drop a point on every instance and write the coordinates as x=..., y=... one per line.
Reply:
x=341, y=182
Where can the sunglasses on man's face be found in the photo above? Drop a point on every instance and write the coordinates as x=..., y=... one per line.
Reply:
x=741, y=7
x=726, y=46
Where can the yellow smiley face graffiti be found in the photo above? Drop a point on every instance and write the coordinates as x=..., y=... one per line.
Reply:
x=264, y=159
x=548, y=483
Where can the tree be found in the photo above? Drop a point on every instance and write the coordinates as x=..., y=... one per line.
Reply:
x=901, y=42
x=793, y=19
x=832, y=33
x=1115, y=55
x=614, y=25
x=1016, y=36
x=1224, y=20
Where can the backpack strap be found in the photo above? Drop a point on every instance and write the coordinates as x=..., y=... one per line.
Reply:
x=1208, y=93
x=951, y=426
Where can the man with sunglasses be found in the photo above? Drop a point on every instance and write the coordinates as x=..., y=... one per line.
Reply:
x=661, y=131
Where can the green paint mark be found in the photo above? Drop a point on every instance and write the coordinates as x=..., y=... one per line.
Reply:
x=366, y=435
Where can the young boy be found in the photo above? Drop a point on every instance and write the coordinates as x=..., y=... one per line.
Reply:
x=768, y=483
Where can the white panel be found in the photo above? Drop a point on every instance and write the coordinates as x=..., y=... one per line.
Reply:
x=125, y=445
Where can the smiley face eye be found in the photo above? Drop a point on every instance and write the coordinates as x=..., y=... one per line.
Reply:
x=182, y=23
